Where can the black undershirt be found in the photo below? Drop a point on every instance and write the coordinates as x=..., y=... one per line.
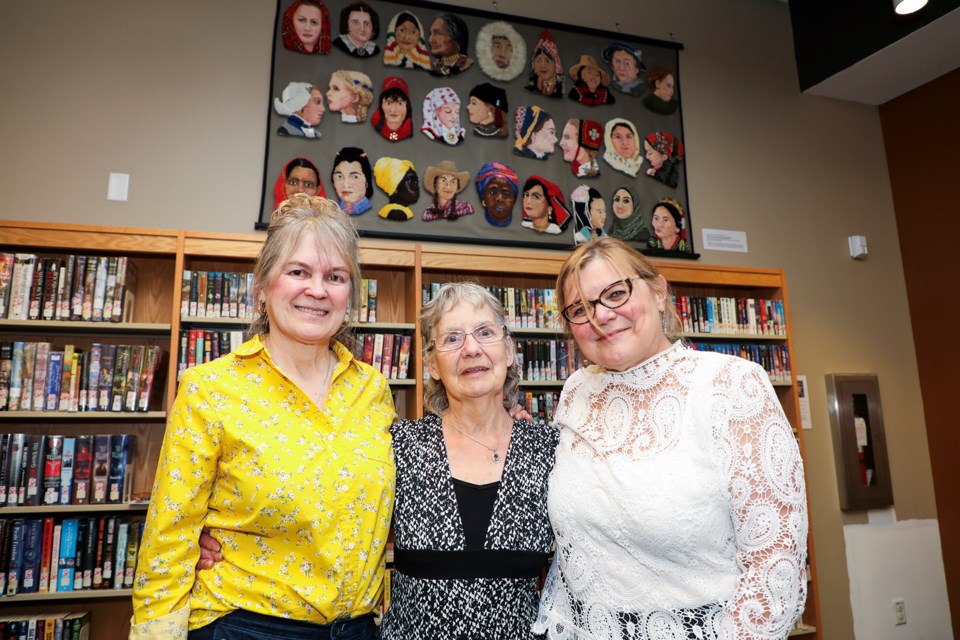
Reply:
x=475, y=503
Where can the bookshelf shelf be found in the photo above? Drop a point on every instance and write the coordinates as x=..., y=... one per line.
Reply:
x=214, y=322
x=804, y=630
x=402, y=382
x=57, y=509
x=735, y=337
x=80, y=594
x=82, y=416
x=81, y=327
x=541, y=384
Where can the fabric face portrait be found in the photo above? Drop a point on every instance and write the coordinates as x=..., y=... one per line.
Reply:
x=305, y=27
x=352, y=180
x=546, y=70
x=536, y=133
x=406, y=45
x=302, y=104
x=664, y=153
x=297, y=176
x=590, y=83
x=441, y=116
x=627, y=224
x=501, y=51
x=669, y=222
x=662, y=84
x=398, y=179
x=622, y=146
x=392, y=119
x=444, y=182
x=497, y=186
x=350, y=93
x=580, y=143
x=448, y=43
x=589, y=214
x=544, y=209
x=486, y=111
x=626, y=63
x=359, y=28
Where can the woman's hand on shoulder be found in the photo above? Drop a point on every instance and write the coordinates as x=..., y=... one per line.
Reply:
x=519, y=413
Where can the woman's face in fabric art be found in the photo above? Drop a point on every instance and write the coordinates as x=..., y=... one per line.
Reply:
x=449, y=115
x=441, y=44
x=654, y=157
x=569, y=142
x=625, y=66
x=535, y=203
x=394, y=111
x=543, y=66
x=502, y=51
x=622, y=204
x=312, y=112
x=349, y=182
x=408, y=191
x=340, y=98
x=664, y=88
x=598, y=213
x=301, y=180
x=479, y=112
x=624, y=141
x=407, y=35
x=545, y=140
x=664, y=226
x=498, y=199
x=591, y=77
x=307, y=25
x=360, y=27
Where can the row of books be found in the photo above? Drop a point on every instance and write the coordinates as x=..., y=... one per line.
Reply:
x=36, y=376
x=61, y=625
x=731, y=316
x=528, y=308
x=775, y=359
x=202, y=345
x=92, y=288
x=547, y=358
x=47, y=555
x=541, y=405
x=389, y=353
x=45, y=469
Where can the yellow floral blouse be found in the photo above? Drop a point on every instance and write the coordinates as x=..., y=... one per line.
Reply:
x=300, y=499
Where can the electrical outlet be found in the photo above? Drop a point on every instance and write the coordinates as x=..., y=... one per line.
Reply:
x=899, y=612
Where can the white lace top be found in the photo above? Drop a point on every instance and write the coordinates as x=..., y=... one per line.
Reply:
x=678, y=504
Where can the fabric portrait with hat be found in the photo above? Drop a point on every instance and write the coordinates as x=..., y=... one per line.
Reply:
x=501, y=51
x=406, y=45
x=359, y=29
x=302, y=104
x=544, y=209
x=305, y=27
x=669, y=222
x=441, y=116
x=535, y=133
x=664, y=153
x=444, y=182
x=580, y=143
x=393, y=117
x=626, y=63
x=398, y=179
x=497, y=186
x=590, y=83
x=487, y=111
x=546, y=69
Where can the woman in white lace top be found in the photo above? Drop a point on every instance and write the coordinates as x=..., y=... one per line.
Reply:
x=677, y=498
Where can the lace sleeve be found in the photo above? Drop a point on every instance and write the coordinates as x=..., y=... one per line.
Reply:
x=769, y=511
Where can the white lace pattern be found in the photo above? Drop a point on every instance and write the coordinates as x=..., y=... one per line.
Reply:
x=678, y=503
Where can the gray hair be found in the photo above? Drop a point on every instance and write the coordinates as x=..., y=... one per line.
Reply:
x=450, y=295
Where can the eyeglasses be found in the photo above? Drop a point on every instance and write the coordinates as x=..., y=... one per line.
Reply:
x=613, y=296
x=484, y=334
x=296, y=182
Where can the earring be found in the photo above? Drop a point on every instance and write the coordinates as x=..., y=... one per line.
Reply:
x=663, y=322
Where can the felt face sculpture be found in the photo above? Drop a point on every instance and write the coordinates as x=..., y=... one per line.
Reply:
x=359, y=27
x=486, y=110
x=497, y=186
x=406, y=46
x=441, y=116
x=669, y=226
x=544, y=209
x=627, y=219
x=664, y=153
x=628, y=67
x=590, y=83
x=501, y=51
x=297, y=176
x=305, y=27
x=536, y=133
x=590, y=213
x=398, y=179
x=622, y=147
x=546, y=71
x=350, y=93
x=580, y=144
x=662, y=85
x=392, y=118
x=302, y=104
x=448, y=43
x=445, y=182
x=352, y=179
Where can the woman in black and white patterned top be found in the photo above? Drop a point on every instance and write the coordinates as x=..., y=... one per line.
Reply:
x=470, y=525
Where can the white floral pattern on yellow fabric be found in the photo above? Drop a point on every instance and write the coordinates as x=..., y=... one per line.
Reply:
x=300, y=499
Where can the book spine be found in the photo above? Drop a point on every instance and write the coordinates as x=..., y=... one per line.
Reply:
x=108, y=357
x=120, y=369
x=132, y=384
x=67, y=373
x=32, y=555
x=54, y=564
x=6, y=365
x=121, y=468
x=89, y=287
x=15, y=566
x=120, y=557
x=76, y=293
x=52, y=469
x=82, y=468
x=36, y=289
x=54, y=378
x=4, y=470
x=68, y=553
x=34, y=470
x=6, y=285
x=101, y=468
x=100, y=288
x=65, y=294
x=40, y=368
x=46, y=551
x=66, y=470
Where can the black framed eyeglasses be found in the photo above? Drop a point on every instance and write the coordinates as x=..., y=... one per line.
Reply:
x=613, y=295
x=484, y=334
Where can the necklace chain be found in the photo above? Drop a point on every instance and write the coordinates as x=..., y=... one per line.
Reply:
x=495, y=457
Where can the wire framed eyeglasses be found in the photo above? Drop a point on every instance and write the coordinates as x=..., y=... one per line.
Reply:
x=484, y=334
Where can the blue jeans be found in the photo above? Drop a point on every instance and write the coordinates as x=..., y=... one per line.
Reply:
x=246, y=625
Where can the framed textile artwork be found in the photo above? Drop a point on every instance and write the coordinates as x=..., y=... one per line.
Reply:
x=438, y=123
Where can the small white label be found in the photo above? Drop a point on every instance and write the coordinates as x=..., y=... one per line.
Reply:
x=805, y=421
x=118, y=186
x=724, y=240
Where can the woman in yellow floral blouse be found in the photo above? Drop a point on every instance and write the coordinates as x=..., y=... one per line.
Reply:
x=282, y=450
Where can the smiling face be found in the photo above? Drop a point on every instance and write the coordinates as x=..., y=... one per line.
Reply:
x=498, y=199
x=479, y=112
x=591, y=77
x=502, y=51
x=474, y=371
x=408, y=191
x=301, y=180
x=360, y=27
x=449, y=115
x=307, y=25
x=569, y=143
x=625, y=66
x=624, y=141
x=394, y=111
x=441, y=44
x=308, y=298
x=312, y=112
x=626, y=336
x=340, y=98
x=654, y=157
x=407, y=35
x=544, y=141
x=664, y=88
x=622, y=204
x=665, y=227
x=349, y=182
x=543, y=66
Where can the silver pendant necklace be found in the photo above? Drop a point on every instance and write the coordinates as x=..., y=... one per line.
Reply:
x=495, y=454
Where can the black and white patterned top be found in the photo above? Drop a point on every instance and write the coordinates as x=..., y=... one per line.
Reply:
x=426, y=518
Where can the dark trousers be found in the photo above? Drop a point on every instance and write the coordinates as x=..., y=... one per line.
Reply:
x=246, y=625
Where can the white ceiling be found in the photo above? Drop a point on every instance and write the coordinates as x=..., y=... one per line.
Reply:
x=922, y=56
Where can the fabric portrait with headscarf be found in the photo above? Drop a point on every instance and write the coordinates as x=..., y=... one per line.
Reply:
x=288, y=32
x=630, y=228
x=501, y=51
x=558, y=216
x=628, y=165
x=280, y=186
x=528, y=121
x=589, y=139
x=664, y=153
x=415, y=57
x=497, y=212
x=676, y=211
x=389, y=174
x=432, y=127
x=551, y=85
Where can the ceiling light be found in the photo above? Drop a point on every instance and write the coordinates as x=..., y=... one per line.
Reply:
x=904, y=7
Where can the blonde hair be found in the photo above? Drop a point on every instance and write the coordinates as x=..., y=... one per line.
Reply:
x=627, y=261
x=296, y=217
x=450, y=295
x=360, y=84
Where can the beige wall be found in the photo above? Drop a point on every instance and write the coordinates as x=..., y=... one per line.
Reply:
x=175, y=93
